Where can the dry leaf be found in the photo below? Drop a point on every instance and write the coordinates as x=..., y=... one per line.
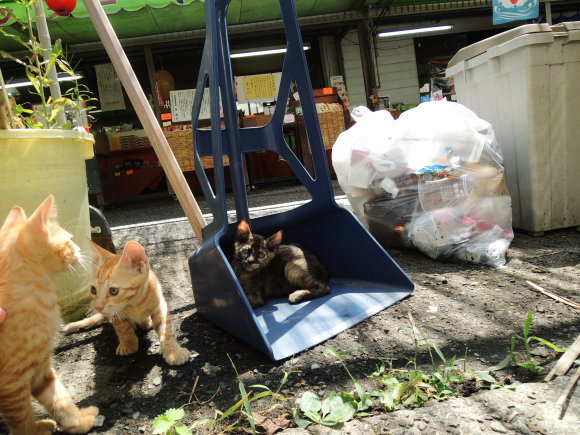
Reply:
x=269, y=426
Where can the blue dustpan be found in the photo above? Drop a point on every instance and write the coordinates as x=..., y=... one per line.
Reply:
x=364, y=278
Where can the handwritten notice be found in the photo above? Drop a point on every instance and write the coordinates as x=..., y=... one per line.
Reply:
x=182, y=103
x=109, y=85
x=260, y=86
x=257, y=88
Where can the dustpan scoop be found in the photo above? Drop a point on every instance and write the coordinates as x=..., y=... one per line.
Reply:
x=364, y=278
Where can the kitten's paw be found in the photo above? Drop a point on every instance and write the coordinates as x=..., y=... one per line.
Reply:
x=127, y=348
x=84, y=422
x=70, y=327
x=299, y=296
x=45, y=427
x=176, y=355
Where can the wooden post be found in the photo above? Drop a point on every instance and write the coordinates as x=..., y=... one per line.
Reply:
x=146, y=115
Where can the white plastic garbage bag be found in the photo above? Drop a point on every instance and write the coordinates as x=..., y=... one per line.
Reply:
x=432, y=179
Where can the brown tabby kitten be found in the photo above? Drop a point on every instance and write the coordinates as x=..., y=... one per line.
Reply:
x=267, y=269
x=32, y=251
x=127, y=293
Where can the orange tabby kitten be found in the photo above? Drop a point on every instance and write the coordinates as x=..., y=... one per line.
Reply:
x=126, y=292
x=32, y=251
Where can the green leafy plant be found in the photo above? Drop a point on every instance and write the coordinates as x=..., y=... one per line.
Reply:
x=167, y=423
x=411, y=387
x=337, y=407
x=524, y=358
x=38, y=65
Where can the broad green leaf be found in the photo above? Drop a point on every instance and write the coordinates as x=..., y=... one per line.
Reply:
x=182, y=429
x=174, y=414
x=485, y=376
x=364, y=400
x=314, y=416
x=386, y=398
x=333, y=399
x=161, y=424
x=502, y=364
x=347, y=397
x=341, y=412
x=309, y=403
x=303, y=424
x=400, y=391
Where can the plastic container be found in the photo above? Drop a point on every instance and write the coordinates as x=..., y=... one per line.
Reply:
x=526, y=83
x=35, y=163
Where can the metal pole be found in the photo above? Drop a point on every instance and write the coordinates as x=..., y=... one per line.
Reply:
x=152, y=80
x=548, y=6
x=46, y=44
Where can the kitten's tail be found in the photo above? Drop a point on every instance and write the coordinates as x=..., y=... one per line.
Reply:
x=89, y=322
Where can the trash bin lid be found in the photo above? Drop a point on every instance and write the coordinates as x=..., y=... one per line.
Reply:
x=482, y=46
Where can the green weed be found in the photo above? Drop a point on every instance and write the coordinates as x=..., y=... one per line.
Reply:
x=167, y=423
x=524, y=358
x=337, y=407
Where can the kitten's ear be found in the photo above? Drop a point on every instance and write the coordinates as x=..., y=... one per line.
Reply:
x=16, y=216
x=99, y=254
x=43, y=214
x=134, y=256
x=274, y=241
x=243, y=233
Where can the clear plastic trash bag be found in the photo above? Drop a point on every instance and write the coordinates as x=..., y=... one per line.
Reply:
x=432, y=180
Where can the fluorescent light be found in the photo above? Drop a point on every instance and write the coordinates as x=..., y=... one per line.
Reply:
x=60, y=79
x=413, y=31
x=262, y=52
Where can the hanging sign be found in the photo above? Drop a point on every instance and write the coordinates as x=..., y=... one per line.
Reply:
x=109, y=85
x=257, y=88
x=182, y=103
x=505, y=11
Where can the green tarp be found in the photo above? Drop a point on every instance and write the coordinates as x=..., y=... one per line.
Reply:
x=132, y=18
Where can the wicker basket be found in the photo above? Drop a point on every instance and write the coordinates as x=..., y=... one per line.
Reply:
x=331, y=125
x=181, y=143
x=256, y=120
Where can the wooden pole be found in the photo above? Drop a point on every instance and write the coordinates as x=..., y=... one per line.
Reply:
x=146, y=115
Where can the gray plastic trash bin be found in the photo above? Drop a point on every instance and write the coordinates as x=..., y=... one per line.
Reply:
x=526, y=83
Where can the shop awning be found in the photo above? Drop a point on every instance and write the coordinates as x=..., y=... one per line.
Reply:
x=133, y=18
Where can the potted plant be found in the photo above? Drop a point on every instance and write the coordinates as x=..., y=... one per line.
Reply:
x=43, y=152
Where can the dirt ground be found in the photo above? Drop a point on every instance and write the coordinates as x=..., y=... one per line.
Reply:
x=467, y=310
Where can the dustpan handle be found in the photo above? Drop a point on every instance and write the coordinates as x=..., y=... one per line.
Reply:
x=208, y=75
x=296, y=67
x=215, y=70
x=270, y=136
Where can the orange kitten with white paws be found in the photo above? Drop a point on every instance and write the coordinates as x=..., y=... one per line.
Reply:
x=127, y=293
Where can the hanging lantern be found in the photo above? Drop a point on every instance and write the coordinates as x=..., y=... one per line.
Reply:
x=165, y=83
x=61, y=7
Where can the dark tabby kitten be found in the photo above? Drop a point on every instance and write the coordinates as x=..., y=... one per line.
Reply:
x=267, y=269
